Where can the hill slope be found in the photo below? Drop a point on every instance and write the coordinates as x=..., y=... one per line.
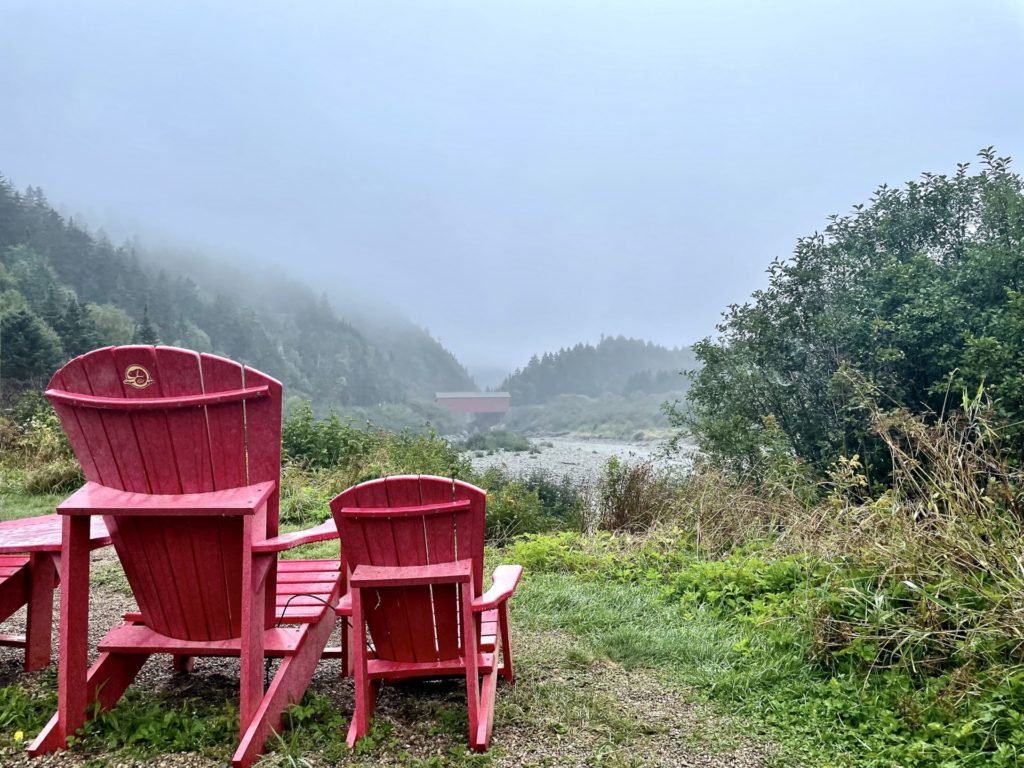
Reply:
x=64, y=290
x=616, y=365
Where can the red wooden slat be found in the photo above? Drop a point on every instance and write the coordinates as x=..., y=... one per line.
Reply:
x=398, y=670
x=312, y=578
x=305, y=599
x=226, y=423
x=441, y=548
x=191, y=574
x=230, y=534
x=179, y=375
x=135, y=563
x=93, y=499
x=411, y=548
x=77, y=438
x=263, y=444
x=146, y=537
x=155, y=403
x=220, y=598
x=13, y=591
x=105, y=379
x=92, y=447
x=472, y=544
x=151, y=433
x=303, y=615
x=305, y=587
x=263, y=437
x=374, y=494
x=142, y=639
x=286, y=566
x=418, y=510
x=388, y=606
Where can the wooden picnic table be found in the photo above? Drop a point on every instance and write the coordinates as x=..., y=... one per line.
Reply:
x=30, y=561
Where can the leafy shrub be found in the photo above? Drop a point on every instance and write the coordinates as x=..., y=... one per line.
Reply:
x=321, y=443
x=513, y=510
x=497, y=440
x=741, y=583
x=531, y=503
x=56, y=476
x=633, y=496
x=35, y=451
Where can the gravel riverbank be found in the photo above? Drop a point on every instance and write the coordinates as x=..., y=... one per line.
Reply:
x=577, y=457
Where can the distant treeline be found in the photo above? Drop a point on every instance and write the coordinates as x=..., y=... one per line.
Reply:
x=64, y=291
x=616, y=365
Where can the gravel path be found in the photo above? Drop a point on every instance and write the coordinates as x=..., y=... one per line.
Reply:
x=561, y=712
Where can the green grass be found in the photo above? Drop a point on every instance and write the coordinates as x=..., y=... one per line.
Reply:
x=17, y=505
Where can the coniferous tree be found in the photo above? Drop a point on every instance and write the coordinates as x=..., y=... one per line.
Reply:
x=145, y=333
x=30, y=350
x=78, y=331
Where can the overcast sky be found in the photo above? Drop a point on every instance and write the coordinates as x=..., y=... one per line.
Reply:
x=515, y=176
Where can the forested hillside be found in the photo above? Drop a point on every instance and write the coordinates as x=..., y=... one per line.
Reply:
x=616, y=365
x=64, y=290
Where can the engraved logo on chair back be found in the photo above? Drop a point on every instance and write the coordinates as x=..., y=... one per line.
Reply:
x=419, y=623
x=162, y=420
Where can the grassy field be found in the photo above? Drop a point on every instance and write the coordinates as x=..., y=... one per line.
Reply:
x=15, y=505
x=589, y=692
x=663, y=621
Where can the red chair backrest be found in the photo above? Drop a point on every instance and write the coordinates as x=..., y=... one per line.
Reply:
x=162, y=420
x=413, y=623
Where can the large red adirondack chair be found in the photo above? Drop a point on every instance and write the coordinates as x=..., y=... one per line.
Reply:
x=182, y=456
x=415, y=549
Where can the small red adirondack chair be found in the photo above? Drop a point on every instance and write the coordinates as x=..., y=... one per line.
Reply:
x=415, y=549
x=182, y=455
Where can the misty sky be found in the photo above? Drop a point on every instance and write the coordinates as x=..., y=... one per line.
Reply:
x=515, y=176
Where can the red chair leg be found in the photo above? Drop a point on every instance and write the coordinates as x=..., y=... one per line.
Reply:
x=287, y=687
x=481, y=739
x=365, y=693
x=183, y=664
x=506, y=642
x=39, y=619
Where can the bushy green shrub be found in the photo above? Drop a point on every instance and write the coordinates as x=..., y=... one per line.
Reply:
x=34, y=451
x=530, y=503
x=513, y=510
x=743, y=584
x=321, y=443
x=497, y=440
x=633, y=496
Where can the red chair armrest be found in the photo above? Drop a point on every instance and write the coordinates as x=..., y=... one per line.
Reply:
x=505, y=578
x=96, y=499
x=323, y=532
x=411, y=575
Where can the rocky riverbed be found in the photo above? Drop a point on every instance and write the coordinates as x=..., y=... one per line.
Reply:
x=580, y=458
